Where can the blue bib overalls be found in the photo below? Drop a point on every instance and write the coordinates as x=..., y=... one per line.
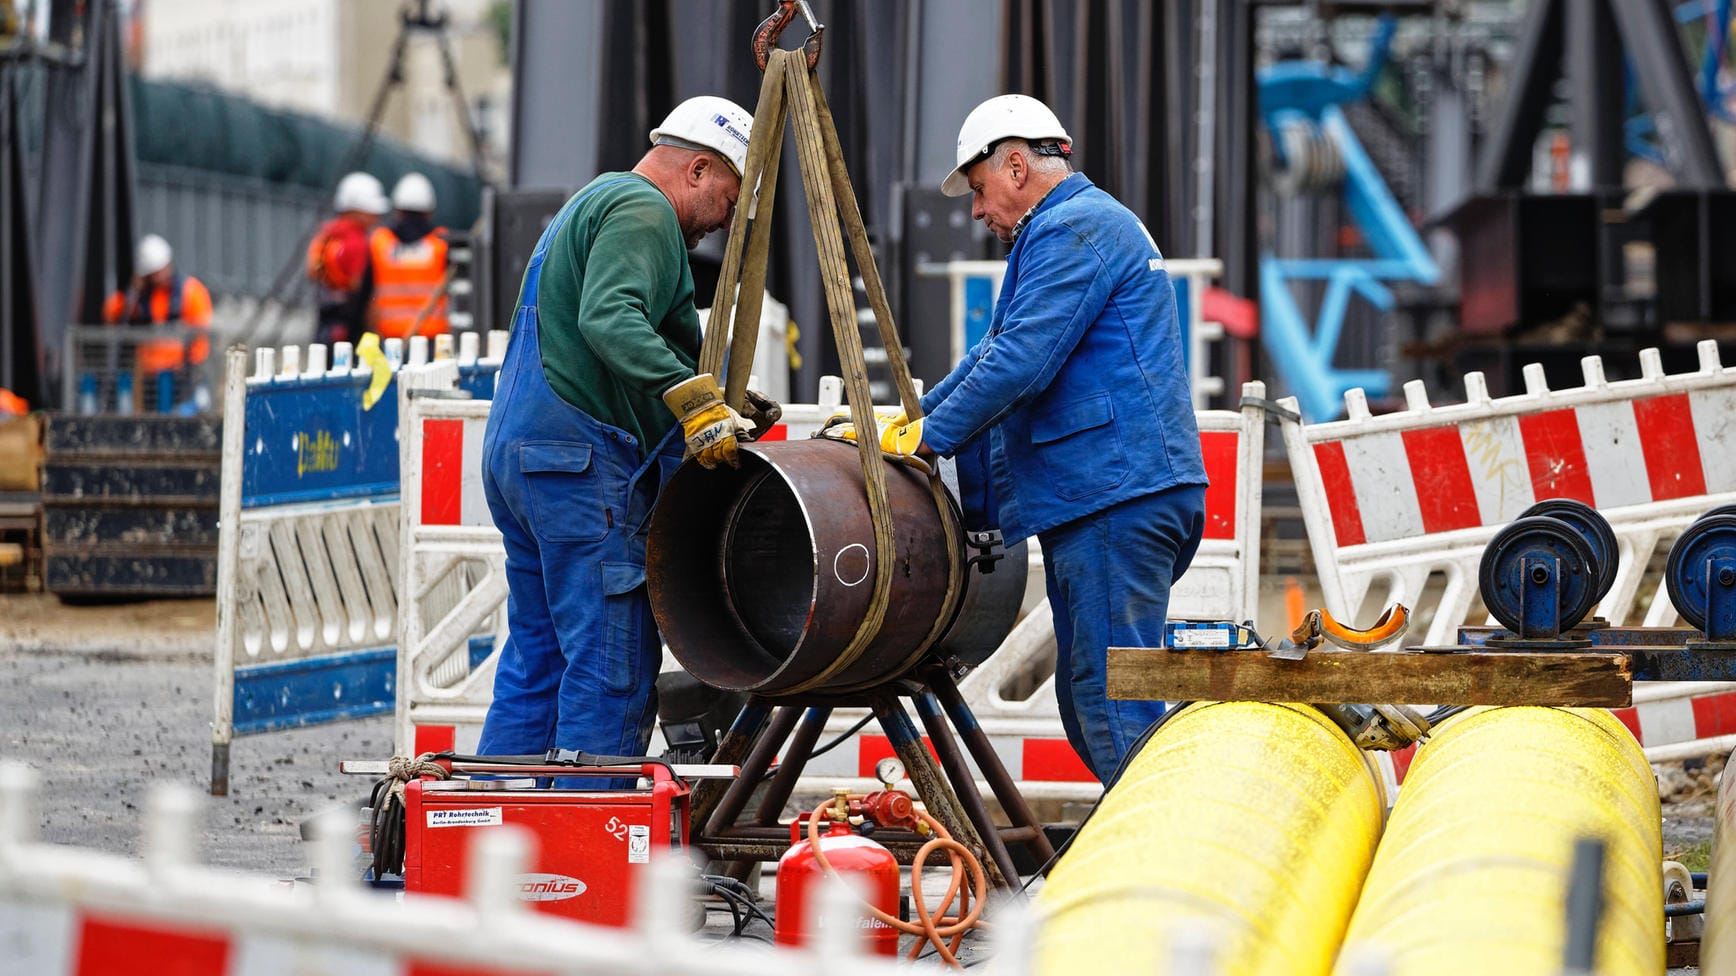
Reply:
x=571, y=496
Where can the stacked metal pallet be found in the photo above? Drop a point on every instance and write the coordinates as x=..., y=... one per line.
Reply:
x=130, y=505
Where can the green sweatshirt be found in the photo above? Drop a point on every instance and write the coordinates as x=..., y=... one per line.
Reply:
x=615, y=307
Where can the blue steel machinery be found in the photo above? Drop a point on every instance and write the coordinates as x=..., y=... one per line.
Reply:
x=1302, y=105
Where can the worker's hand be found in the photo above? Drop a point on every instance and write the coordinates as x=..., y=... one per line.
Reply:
x=762, y=411
x=898, y=434
x=710, y=426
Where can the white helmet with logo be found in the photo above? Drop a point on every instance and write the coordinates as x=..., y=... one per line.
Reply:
x=414, y=192
x=1001, y=117
x=360, y=191
x=708, y=122
x=152, y=256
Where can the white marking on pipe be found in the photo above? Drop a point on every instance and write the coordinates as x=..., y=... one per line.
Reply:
x=837, y=564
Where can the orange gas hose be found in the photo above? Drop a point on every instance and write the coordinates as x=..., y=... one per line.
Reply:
x=944, y=932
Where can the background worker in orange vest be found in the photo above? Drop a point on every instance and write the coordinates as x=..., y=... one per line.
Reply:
x=409, y=261
x=337, y=258
x=160, y=295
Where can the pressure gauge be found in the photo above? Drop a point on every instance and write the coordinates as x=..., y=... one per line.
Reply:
x=889, y=771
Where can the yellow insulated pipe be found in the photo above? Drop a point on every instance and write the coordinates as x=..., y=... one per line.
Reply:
x=1471, y=876
x=1244, y=824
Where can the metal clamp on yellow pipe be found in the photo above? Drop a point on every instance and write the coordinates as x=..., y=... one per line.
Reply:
x=1471, y=876
x=1249, y=826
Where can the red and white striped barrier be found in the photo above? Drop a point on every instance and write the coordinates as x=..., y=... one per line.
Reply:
x=71, y=912
x=1390, y=500
x=1682, y=719
x=447, y=648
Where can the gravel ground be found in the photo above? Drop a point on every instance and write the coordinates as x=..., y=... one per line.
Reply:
x=105, y=701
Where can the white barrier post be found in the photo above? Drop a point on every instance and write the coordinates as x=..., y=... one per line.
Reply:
x=228, y=558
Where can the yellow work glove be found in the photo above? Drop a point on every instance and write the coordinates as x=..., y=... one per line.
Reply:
x=710, y=426
x=898, y=434
x=369, y=352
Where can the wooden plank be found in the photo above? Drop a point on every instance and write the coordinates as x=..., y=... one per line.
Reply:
x=1561, y=678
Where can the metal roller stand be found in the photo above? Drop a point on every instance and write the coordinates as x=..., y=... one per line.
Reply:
x=1539, y=577
x=1701, y=578
x=1593, y=528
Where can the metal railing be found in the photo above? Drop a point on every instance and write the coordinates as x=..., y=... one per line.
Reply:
x=105, y=373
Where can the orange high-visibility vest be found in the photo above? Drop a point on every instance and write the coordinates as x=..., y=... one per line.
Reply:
x=405, y=275
x=191, y=305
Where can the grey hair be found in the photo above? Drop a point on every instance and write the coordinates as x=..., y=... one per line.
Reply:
x=1057, y=165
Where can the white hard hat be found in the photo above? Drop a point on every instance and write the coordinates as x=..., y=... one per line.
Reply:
x=413, y=192
x=1001, y=117
x=152, y=256
x=360, y=191
x=709, y=122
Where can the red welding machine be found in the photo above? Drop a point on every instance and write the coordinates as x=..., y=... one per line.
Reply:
x=593, y=845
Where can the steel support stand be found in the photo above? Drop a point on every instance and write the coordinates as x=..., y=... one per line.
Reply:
x=1006, y=791
x=947, y=786
x=744, y=733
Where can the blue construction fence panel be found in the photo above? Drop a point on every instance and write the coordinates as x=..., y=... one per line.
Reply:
x=314, y=691
x=309, y=440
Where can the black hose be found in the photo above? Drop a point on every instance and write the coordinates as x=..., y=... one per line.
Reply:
x=386, y=830
x=837, y=741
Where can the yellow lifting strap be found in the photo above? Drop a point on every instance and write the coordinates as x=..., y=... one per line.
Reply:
x=790, y=92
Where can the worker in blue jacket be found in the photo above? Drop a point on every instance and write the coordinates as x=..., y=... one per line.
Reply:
x=1080, y=387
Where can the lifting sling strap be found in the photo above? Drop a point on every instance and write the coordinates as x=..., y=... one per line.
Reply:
x=790, y=92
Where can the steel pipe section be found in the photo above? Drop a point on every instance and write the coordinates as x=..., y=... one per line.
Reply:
x=1718, y=943
x=1242, y=826
x=1471, y=876
x=759, y=576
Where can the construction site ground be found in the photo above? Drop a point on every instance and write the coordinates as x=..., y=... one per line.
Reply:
x=106, y=700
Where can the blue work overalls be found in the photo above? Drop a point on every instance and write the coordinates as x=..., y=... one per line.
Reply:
x=571, y=496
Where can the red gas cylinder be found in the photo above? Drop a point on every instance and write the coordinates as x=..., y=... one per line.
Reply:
x=871, y=868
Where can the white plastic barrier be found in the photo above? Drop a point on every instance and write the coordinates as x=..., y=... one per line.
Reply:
x=308, y=549
x=1389, y=501
x=72, y=912
x=1682, y=719
x=970, y=312
x=445, y=677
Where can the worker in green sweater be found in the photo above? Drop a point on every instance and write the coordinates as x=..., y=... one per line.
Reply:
x=597, y=403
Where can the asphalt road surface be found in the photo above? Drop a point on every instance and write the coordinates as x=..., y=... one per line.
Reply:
x=105, y=702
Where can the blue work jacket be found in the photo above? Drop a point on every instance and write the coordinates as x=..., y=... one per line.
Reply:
x=1079, y=383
